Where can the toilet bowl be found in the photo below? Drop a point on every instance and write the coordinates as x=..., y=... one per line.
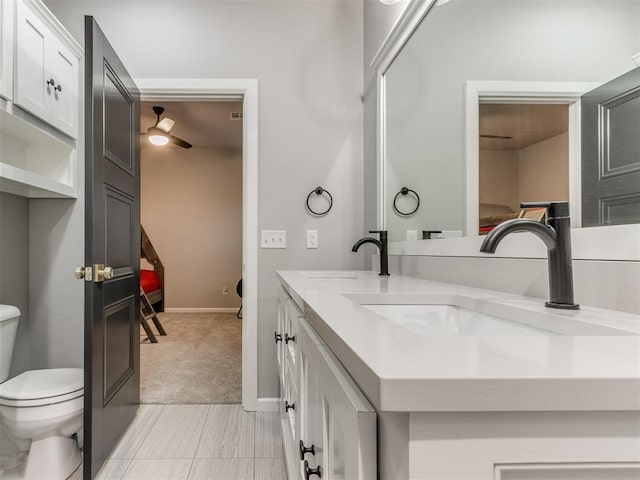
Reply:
x=41, y=410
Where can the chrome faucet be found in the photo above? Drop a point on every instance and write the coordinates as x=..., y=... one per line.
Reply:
x=382, y=246
x=556, y=235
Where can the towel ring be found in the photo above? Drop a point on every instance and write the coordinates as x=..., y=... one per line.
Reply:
x=319, y=191
x=405, y=191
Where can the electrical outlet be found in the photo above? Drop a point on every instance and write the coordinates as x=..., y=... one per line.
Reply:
x=312, y=239
x=273, y=239
x=225, y=290
x=412, y=234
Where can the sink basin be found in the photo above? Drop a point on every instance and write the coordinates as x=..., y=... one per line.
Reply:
x=450, y=320
x=446, y=314
x=333, y=275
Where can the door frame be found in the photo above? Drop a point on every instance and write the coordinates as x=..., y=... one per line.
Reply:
x=209, y=89
x=476, y=92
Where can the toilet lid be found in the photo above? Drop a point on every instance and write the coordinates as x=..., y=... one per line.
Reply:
x=43, y=384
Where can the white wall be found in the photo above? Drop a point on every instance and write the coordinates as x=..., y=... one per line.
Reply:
x=192, y=212
x=307, y=57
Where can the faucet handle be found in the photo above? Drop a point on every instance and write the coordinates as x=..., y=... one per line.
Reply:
x=383, y=233
x=554, y=209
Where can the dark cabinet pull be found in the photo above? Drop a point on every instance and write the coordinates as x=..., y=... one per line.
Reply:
x=311, y=471
x=288, y=338
x=277, y=336
x=304, y=450
x=289, y=406
x=51, y=82
x=58, y=87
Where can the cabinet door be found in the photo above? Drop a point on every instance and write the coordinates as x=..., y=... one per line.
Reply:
x=280, y=329
x=31, y=91
x=348, y=423
x=6, y=49
x=310, y=429
x=64, y=97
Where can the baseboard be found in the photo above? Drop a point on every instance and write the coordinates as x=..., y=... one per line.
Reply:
x=268, y=404
x=201, y=310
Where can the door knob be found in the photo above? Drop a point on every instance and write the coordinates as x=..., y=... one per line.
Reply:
x=102, y=273
x=84, y=272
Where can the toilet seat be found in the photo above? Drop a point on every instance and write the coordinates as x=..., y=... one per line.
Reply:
x=42, y=387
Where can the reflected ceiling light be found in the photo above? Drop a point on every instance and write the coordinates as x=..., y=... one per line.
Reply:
x=157, y=136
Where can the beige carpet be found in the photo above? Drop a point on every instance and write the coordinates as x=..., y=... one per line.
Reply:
x=199, y=361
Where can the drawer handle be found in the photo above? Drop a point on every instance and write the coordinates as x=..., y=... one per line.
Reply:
x=311, y=471
x=304, y=450
x=289, y=406
x=288, y=338
x=277, y=336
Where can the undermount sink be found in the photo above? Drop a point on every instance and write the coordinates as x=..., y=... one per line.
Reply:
x=450, y=320
x=339, y=275
x=460, y=315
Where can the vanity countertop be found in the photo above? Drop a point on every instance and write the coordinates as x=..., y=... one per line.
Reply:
x=403, y=371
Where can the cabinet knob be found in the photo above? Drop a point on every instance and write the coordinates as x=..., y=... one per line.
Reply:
x=289, y=406
x=304, y=450
x=311, y=471
x=277, y=336
x=288, y=338
x=51, y=82
x=58, y=87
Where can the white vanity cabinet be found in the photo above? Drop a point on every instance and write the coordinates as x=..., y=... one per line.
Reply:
x=46, y=70
x=329, y=427
x=6, y=48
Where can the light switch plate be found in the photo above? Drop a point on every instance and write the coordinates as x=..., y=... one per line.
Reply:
x=312, y=238
x=412, y=234
x=273, y=239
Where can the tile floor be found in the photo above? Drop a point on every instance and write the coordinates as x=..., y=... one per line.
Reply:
x=198, y=442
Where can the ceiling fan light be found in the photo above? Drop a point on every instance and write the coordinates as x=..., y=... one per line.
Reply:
x=157, y=136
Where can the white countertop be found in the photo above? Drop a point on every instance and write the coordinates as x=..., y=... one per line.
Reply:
x=400, y=370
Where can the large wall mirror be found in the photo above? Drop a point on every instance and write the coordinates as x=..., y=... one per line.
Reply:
x=481, y=108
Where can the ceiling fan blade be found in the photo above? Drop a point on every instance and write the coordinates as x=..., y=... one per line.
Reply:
x=179, y=142
x=166, y=124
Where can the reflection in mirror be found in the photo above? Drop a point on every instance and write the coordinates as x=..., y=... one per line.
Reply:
x=586, y=41
x=524, y=157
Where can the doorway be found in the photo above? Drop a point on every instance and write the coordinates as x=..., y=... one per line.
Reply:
x=246, y=91
x=191, y=212
x=523, y=157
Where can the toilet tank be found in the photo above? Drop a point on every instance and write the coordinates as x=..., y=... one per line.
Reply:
x=9, y=316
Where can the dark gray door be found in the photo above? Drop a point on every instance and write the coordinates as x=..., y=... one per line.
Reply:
x=611, y=152
x=112, y=331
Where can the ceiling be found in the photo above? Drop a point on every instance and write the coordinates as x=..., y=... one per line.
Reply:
x=526, y=123
x=203, y=124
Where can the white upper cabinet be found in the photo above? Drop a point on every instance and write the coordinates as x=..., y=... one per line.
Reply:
x=46, y=75
x=6, y=48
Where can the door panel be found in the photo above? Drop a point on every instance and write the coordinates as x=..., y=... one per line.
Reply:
x=64, y=68
x=112, y=348
x=611, y=152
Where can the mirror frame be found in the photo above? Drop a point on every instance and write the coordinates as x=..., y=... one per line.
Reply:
x=592, y=243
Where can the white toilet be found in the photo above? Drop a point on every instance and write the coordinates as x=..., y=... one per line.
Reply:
x=40, y=410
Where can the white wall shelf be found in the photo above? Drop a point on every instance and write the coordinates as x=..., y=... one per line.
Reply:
x=34, y=162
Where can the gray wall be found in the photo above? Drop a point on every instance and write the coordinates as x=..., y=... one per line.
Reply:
x=14, y=271
x=307, y=57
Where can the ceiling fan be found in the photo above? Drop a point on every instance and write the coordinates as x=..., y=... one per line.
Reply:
x=160, y=133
